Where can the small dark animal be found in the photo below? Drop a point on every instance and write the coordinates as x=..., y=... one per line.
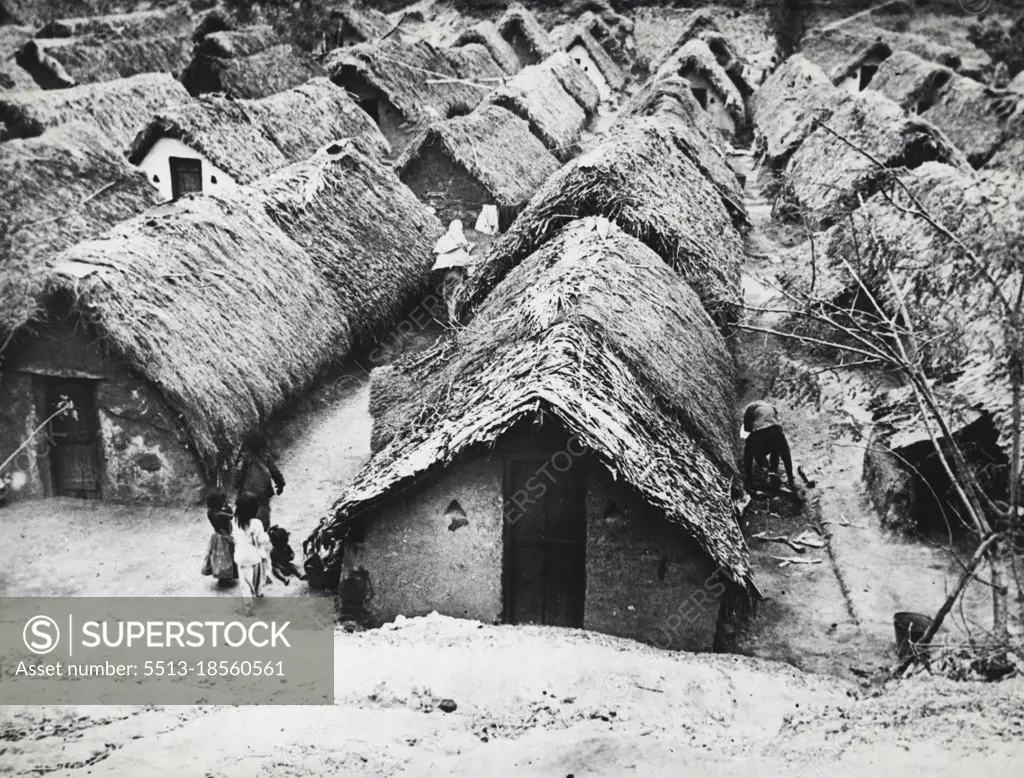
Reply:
x=282, y=557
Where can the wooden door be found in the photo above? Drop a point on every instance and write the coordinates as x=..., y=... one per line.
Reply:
x=545, y=544
x=73, y=440
x=186, y=176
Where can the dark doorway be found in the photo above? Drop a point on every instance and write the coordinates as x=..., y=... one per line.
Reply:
x=516, y=37
x=186, y=176
x=73, y=439
x=701, y=93
x=867, y=72
x=545, y=553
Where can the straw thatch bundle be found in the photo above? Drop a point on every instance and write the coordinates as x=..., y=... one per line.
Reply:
x=950, y=303
x=519, y=21
x=975, y=117
x=486, y=34
x=239, y=43
x=495, y=147
x=695, y=57
x=642, y=379
x=641, y=178
x=371, y=238
x=119, y=108
x=287, y=276
x=171, y=21
x=671, y=100
x=826, y=175
x=537, y=96
x=259, y=75
x=787, y=106
x=422, y=81
x=91, y=58
x=909, y=80
x=66, y=185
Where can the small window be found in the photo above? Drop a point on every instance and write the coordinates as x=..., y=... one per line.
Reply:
x=213, y=179
x=186, y=176
x=701, y=94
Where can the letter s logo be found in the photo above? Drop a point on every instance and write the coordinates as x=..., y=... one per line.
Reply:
x=41, y=634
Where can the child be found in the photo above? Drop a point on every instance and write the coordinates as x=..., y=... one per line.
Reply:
x=252, y=551
x=220, y=554
x=282, y=556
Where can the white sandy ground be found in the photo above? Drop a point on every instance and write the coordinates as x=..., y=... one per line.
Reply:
x=540, y=701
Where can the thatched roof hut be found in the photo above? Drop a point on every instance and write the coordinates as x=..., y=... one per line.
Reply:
x=696, y=62
x=239, y=43
x=525, y=34
x=67, y=184
x=538, y=95
x=828, y=174
x=425, y=83
x=60, y=62
x=1009, y=157
x=787, y=106
x=613, y=31
x=697, y=23
x=566, y=334
x=641, y=177
x=493, y=146
x=952, y=306
x=119, y=108
x=835, y=50
x=174, y=20
x=359, y=23
x=249, y=139
x=259, y=75
x=910, y=80
x=577, y=34
x=671, y=100
x=486, y=34
x=293, y=276
x=12, y=75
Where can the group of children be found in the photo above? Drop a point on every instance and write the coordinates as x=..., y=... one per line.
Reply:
x=260, y=550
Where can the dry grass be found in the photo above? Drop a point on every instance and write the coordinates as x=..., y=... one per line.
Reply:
x=239, y=43
x=259, y=75
x=93, y=58
x=486, y=34
x=642, y=378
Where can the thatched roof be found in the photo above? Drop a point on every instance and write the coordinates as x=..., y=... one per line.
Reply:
x=536, y=94
x=119, y=108
x=826, y=175
x=173, y=20
x=613, y=31
x=251, y=138
x=951, y=305
x=407, y=72
x=36, y=12
x=1017, y=84
x=695, y=56
x=486, y=34
x=367, y=23
x=291, y=273
x=1009, y=157
x=573, y=80
x=516, y=17
x=698, y=22
x=239, y=43
x=907, y=79
x=975, y=117
x=642, y=178
x=579, y=34
x=66, y=185
x=495, y=147
x=12, y=75
x=641, y=378
x=671, y=100
x=259, y=75
x=93, y=58
x=786, y=106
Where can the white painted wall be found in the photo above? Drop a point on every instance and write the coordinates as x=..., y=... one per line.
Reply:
x=579, y=53
x=158, y=170
x=715, y=103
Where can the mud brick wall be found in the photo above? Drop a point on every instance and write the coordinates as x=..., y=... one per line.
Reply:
x=446, y=186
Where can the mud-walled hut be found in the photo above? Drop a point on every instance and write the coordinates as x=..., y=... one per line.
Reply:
x=180, y=330
x=215, y=143
x=525, y=34
x=787, y=106
x=829, y=172
x=640, y=177
x=578, y=42
x=405, y=86
x=485, y=158
x=555, y=99
x=710, y=84
x=118, y=108
x=258, y=75
x=486, y=34
x=559, y=373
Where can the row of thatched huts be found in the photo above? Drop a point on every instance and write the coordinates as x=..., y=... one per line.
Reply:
x=903, y=213
x=566, y=456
